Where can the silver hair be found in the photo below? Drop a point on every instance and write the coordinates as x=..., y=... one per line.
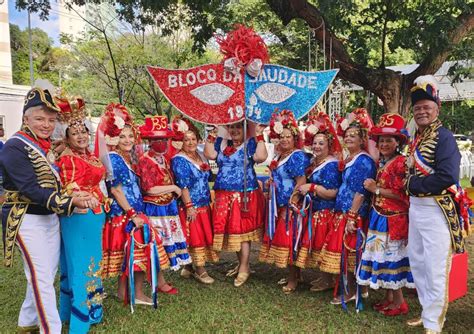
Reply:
x=28, y=112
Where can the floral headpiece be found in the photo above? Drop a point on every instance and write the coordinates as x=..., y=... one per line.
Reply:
x=243, y=48
x=320, y=123
x=72, y=114
x=284, y=120
x=72, y=111
x=113, y=121
x=358, y=118
x=180, y=126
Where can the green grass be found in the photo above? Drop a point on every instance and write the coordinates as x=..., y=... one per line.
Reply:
x=258, y=306
x=465, y=183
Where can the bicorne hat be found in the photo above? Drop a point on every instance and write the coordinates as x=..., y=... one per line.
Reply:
x=40, y=97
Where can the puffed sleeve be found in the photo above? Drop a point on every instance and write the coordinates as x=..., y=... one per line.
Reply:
x=297, y=164
x=397, y=176
x=182, y=172
x=18, y=166
x=251, y=147
x=149, y=176
x=332, y=177
x=66, y=169
x=363, y=168
x=447, y=162
x=120, y=171
x=217, y=144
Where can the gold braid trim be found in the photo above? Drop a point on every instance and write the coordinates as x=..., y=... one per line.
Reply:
x=14, y=220
x=446, y=205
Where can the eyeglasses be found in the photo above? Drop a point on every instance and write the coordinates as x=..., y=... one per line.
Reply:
x=422, y=108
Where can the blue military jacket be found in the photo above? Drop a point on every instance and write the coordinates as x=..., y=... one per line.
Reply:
x=31, y=184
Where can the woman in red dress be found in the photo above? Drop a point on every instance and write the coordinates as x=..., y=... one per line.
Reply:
x=385, y=261
x=81, y=291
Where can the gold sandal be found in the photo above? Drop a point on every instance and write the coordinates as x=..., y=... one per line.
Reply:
x=233, y=271
x=186, y=273
x=287, y=290
x=416, y=322
x=241, y=279
x=203, y=278
x=322, y=286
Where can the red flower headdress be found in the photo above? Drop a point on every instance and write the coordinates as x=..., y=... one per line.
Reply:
x=320, y=123
x=284, y=120
x=359, y=118
x=180, y=126
x=113, y=121
x=243, y=48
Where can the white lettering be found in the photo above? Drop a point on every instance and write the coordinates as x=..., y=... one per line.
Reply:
x=200, y=76
x=312, y=82
x=190, y=78
x=172, y=81
x=275, y=75
x=301, y=81
x=211, y=74
x=282, y=76
x=292, y=79
x=180, y=81
x=227, y=77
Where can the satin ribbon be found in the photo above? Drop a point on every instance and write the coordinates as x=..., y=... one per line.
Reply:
x=272, y=211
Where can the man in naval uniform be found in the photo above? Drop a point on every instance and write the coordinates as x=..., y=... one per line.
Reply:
x=435, y=228
x=33, y=199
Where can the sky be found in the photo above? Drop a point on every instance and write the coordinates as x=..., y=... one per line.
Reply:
x=51, y=26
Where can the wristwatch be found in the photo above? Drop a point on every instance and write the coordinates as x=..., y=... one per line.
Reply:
x=377, y=191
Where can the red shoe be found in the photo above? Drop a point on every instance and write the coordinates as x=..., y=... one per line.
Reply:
x=392, y=312
x=171, y=291
x=381, y=305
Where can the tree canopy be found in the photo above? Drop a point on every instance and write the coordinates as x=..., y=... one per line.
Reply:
x=360, y=37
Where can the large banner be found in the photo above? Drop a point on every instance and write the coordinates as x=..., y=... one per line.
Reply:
x=212, y=95
x=280, y=87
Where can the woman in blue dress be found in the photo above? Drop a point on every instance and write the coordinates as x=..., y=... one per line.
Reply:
x=117, y=131
x=192, y=173
x=352, y=204
x=238, y=211
x=280, y=244
x=324, y=180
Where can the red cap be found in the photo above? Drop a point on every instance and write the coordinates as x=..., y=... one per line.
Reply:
x=390, y=124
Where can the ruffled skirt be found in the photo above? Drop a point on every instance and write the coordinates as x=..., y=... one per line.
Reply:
x=199, y=236
x=336, y=241
x=165, y=219
x=385, y=262
x=114, y=240
x=309, y=255
x=232, y=225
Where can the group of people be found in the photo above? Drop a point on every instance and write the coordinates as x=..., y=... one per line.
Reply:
x=120, y=212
